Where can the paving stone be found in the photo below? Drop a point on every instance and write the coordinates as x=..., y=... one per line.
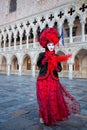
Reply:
x=19, y=108
x=19, y=112
x=15, y=124
x=36, y=127
x=85, y=128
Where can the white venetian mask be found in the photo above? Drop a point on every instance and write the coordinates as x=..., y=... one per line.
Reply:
x=50, y=46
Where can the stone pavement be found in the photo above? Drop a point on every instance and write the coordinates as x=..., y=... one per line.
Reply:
x=19, y=110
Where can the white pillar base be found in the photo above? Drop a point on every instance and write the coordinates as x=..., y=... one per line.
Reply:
x=33, y=70
x=70, y=74
x=8, y=69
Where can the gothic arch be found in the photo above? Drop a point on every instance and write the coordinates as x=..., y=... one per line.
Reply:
x=79, y=50
x=62, y=51
x=3, y=63
x=46, y=25
x=26, y=62
x=76, y=14
x=59, y=52
x=64, y=18
x=3, y=55
x=14, y=63
x=80, y=62
x=76, y=26
x=55, y=24
x=66, y=28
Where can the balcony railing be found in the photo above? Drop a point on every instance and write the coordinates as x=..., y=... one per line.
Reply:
x=66, y=40
x=29, y=46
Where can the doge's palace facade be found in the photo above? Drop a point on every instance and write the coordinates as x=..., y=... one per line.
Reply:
x=20, y=25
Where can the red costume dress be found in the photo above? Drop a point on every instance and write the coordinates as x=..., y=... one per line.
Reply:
x=55, y=102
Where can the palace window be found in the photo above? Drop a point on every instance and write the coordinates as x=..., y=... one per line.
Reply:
x=12, y=6
x=67, y=32
x=74, y=31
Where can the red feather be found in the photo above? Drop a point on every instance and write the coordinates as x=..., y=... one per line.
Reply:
x=63, y=58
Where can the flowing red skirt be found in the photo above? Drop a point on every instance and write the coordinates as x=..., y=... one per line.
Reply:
x=55, y=102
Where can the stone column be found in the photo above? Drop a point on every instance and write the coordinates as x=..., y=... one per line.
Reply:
x=70, y=72
x=20, y=41
x=70, y=31
x=33, y=70
x=4, y=42
x=20, y=70
x=9, y=42
x=27, y=35
x=83, y=31
x=8, y=69
x=15, y=42
x=34, y=40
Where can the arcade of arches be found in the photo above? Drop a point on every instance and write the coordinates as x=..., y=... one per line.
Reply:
x=79, y=65
x=19, y=46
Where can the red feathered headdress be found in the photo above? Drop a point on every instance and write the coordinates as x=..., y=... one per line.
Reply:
x=48, y=35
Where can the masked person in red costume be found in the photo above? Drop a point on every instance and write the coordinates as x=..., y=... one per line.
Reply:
x=55, y=102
